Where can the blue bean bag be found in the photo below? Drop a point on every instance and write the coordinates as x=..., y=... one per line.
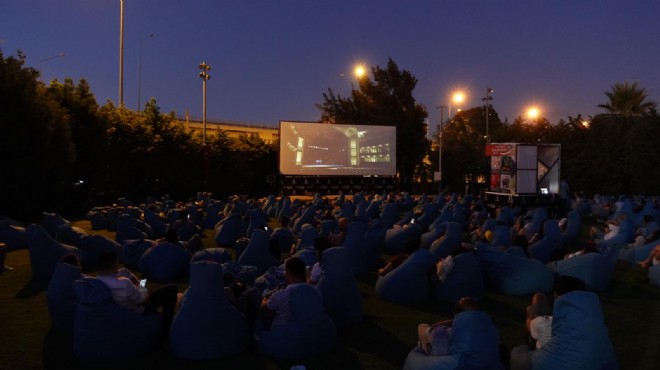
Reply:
x=13, y=236
x=473, y=344
x=389, y=215
x=309, y=332
x=514, y=275
x=258, y=220
x=207, y=326
x=501, y=236
x=408, y=284
x=374, y=243
x=285, y=239
x=51, y=221
x=452, y=239
x=70, y=235
x=93, y=245
x=257, y=253
x=127, y=229
x=308, y=217
x=435, y=232
x=571, y=234
x=580, y=338
x=464, y=280
x=229, y=230
x=98, y=220
x=157, y=225
x=397, y=237
x=341, y=296
x=104, y=331
x=539, y=216
x=165, y=262
x=543, y=249
x=45, y=252
x=217, y=255
x=595, y=269
x=354, y=244
x=61, y=298
x=134, y=249
x=307, y=236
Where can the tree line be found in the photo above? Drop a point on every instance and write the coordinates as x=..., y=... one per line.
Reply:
x=61, y=150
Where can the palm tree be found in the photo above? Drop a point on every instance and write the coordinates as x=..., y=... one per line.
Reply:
x=627, y=99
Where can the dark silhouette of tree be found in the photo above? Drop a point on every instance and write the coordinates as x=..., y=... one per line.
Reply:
x=386, y=100
x=628, y=99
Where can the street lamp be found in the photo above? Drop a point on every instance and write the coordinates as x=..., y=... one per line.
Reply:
x=533, y=113
x=121, y=53
x=205, y=76
x=140, y=71
x=441, y=107
x=457, y=98
x=360, y=71
x=487, y=99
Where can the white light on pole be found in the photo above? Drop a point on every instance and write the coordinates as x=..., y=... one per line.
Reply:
x=487, y=99
x=205, y=76
x=139, y=108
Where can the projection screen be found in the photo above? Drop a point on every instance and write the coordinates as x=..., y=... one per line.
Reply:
x=317, y=149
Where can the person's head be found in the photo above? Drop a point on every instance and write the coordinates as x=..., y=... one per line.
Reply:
x=566, y=284
x=295, y=270
x=343, y=224
x=107, y=262
x=466, y=304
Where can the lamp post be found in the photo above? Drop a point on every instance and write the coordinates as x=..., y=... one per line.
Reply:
x=140, y=71
x=487, y=99
x=457, y=98
x=205, y=76
x=441, y=107
x=121, y=53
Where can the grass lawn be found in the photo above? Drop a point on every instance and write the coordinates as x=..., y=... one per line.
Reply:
x=381, y=341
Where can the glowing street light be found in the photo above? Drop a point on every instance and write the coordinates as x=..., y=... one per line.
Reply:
x=533, y=113
x=360, y=71
x=585, y=123
x=457, y=98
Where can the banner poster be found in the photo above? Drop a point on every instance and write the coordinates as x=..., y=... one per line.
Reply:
x=505, y=182
x=495, y=162
x=506, y=164
x=495, y=181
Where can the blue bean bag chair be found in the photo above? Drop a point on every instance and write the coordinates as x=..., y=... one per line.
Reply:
x=354, y=244
x=208, y=326
x=389, y=215
x=452, y=239
x=229, y=230
x=543, y=249
x=308, y=234
x=463, y=280
x=51, y=221
x=514, y=275
x=501, y=236
x=134, y=249
x=217, y=255
x=93, y=245
x=61, y=298
x=257, y=220
x=158, y=227
x=571, y=234
x=374, y=243
x=539, y=216
x=580, y=338
x=13, y=236
x=309, y=332
x=374, y=208
x=308, y=217
x=70, y=235
x=45, y=252
x=257, y=253
x=595, y=269
x=127, y=229
x=341, y=296
x=408, y=284
x=98, y=220
x=429, y=214
x=285, y=239
x=397, y=237
x=165, y=262
x=435, y=232
x=104, y=331
x=473, y=344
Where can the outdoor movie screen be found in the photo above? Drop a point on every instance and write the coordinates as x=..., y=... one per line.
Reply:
x=344, y=150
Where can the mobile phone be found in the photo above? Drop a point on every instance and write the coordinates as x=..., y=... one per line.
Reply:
x=143, y=282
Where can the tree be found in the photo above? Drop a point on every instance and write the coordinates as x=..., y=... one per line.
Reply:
x=35, y=145
x=388, y=101
x=628, y=99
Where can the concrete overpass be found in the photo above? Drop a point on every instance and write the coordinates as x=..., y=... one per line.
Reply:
x=233, y=129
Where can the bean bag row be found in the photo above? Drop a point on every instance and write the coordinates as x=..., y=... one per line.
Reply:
x=309, y=332
x=595, y=269
x=451, y=240
x=257, y=253
x=354, y=244
x=341, y=296
x=473, y=344
x=217, y=255
x=133, y=250
x=93, y=245
x=571, y=234
x=396, y=238
x=104, y=331
x=229, y=230
x=50, y=222
x=207, y=326
x=543, y=249
x=511, y=274
x=13, y=236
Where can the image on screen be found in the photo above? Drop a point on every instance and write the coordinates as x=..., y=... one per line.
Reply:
x=345, y=150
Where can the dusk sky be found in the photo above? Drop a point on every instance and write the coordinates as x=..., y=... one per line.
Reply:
x=272, y=60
